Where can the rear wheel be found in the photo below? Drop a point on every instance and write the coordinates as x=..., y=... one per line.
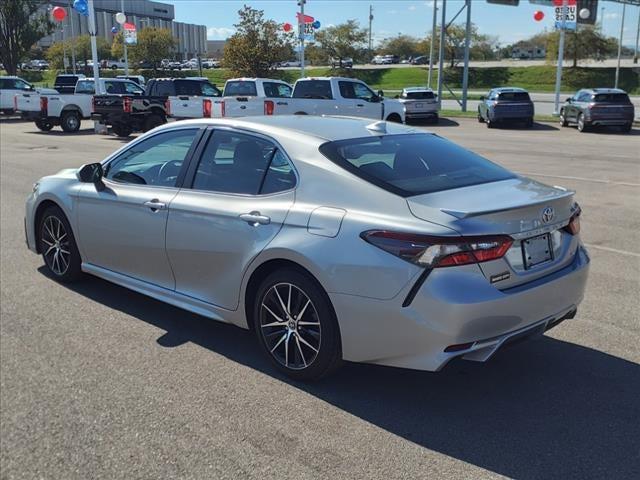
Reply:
x=582, y=125
x=70, y=121
x=395, y=118
x=58, y=245
x=121, y=130
x=490, y=123
x=296, y=326
x=44, y=125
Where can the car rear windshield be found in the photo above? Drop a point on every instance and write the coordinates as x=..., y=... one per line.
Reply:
x=413, y=164
x=514, y=96
x=195, y=87
x=420, y=95
x=240, y=89
x=611, y=98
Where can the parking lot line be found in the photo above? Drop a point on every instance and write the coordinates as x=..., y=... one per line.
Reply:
x=613, y=250
x=581, y=179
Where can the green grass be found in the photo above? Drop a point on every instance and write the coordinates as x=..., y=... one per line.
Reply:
x=392, y=80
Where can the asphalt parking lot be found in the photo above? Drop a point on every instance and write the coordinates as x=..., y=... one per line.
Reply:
x=100, y=382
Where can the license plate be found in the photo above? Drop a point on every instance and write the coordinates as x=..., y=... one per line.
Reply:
x=537, y=250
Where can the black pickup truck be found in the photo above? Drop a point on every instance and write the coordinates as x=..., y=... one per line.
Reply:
x=133, y=113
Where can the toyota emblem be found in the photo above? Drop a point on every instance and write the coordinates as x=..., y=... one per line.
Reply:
x=548, y=214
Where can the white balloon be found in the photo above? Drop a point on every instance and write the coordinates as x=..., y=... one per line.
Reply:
x=584, y=13
x=121, y=18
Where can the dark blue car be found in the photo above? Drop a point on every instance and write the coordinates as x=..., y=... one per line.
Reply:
x=506, y=105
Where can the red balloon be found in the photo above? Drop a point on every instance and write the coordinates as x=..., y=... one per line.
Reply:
x=538, y=15
x=58, y=14
x=287, y=27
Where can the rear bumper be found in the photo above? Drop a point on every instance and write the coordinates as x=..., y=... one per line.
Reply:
x=419, y=115
x=611, y=121
x=455, y=308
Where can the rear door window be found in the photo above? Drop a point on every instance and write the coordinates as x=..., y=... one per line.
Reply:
x=86, y=87
x=164, y=88
x=240, y=89
x=318, y=89
x=277, y=90
x=413, y=164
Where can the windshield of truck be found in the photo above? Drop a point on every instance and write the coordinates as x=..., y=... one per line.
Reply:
x=241, y=88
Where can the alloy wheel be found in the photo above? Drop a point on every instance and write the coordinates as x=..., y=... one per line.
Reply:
x=290, y=326
x=55, y=240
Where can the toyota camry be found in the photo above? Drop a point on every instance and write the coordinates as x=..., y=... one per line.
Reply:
x=330, y=238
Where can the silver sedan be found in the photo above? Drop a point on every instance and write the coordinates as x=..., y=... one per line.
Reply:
x=331, y=238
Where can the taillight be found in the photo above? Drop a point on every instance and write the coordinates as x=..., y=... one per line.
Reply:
x=268, y=107
x=223, y=110
x=126, y=104
x=206, y=108
x=574, y=224
x=432, y=252
x=167, y=107
x=44, y=105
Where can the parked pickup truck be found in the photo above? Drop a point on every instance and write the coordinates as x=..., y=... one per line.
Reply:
x=68, y=110
x=254, y=96
x=161, y=98
x=340, y=96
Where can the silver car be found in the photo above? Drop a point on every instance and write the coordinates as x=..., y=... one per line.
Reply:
x=420, y=103
x=331, y=238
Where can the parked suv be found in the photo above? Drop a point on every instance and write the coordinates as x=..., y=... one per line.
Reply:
x=346, y=62
x=506, y=105
x=598, y=106
x=420, y=103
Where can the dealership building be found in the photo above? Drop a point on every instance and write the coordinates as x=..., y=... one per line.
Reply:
x=191, y=40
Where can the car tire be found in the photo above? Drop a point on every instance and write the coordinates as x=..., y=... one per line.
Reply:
x=395, y=118
x=154, y=120
x=563, y=120
x=582, y=125
x=70, y=122
x=480, y=117
x=58, y=246
x=302, y=352
x=121, y=130
x=490, y=123
x=528, y=123
x=114, y=67
x=44, y=125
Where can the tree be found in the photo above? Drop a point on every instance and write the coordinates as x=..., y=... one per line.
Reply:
x=82, y=45
x=258, y=45
x=154, y=44
x=403, y=46
x=481, y=47
x=586, y=42
x=20, y=27
x=345, y=40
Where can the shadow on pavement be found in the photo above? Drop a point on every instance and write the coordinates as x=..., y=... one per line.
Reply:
x=60, y=133
x=541, y=409
x=442, y=122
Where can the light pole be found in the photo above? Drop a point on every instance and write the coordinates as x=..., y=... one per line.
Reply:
x=624, y=10
x=124, y=44
x=556, y=109
x=301, y=34
x=370, y=22
x=443, y=26
x=73, y=40
x=433, y=40
x=635, y=53
x=94, y=47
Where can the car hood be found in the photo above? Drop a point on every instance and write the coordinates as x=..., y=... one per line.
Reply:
x=506, y=207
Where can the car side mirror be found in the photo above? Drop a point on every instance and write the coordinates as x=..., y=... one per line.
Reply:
x=380, y=93
x=482, y=98
x=569, y=100
x=91, y=173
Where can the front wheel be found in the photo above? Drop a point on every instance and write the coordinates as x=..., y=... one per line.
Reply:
x=58, y=245
x=563, y=119
x=395, y=118
x=480, y=117
x=70, y=122
x=296, y=326
x=44, y=125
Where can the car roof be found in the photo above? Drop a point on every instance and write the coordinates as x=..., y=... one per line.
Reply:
x=509, y=89
x=417, y=89
x=331, y=78
x=255, y=79
x=318, y=128
x=603, y=90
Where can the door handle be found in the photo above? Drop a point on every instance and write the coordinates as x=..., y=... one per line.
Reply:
x=254, y=219
x=282, y=103
x=360, y=105
x=155, y=205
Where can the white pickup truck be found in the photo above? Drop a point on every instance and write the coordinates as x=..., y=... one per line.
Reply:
x=68, y=110
x=244, y=97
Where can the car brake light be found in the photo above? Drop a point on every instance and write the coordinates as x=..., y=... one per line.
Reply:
x=44, y=105
x=167, y=107
x=126, y=104
x=268, y=107
x=574, y=224
x=432, y=252
x=206, y=108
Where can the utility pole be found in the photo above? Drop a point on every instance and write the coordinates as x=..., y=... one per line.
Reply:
x=94, y=47
x=635, y=53
x=124, y=43
x=556, y=109
x=624, y=9
x=73, y=39
x=301, y=34
x=443, y=26
x=370, y=22
x=467, y=43
x=433, y=40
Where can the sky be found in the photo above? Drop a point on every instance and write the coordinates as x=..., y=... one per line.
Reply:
x=392, y=17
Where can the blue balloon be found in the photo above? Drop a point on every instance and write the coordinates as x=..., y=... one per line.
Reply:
x=316, y=24
x=81, y=7
x=114, y=30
